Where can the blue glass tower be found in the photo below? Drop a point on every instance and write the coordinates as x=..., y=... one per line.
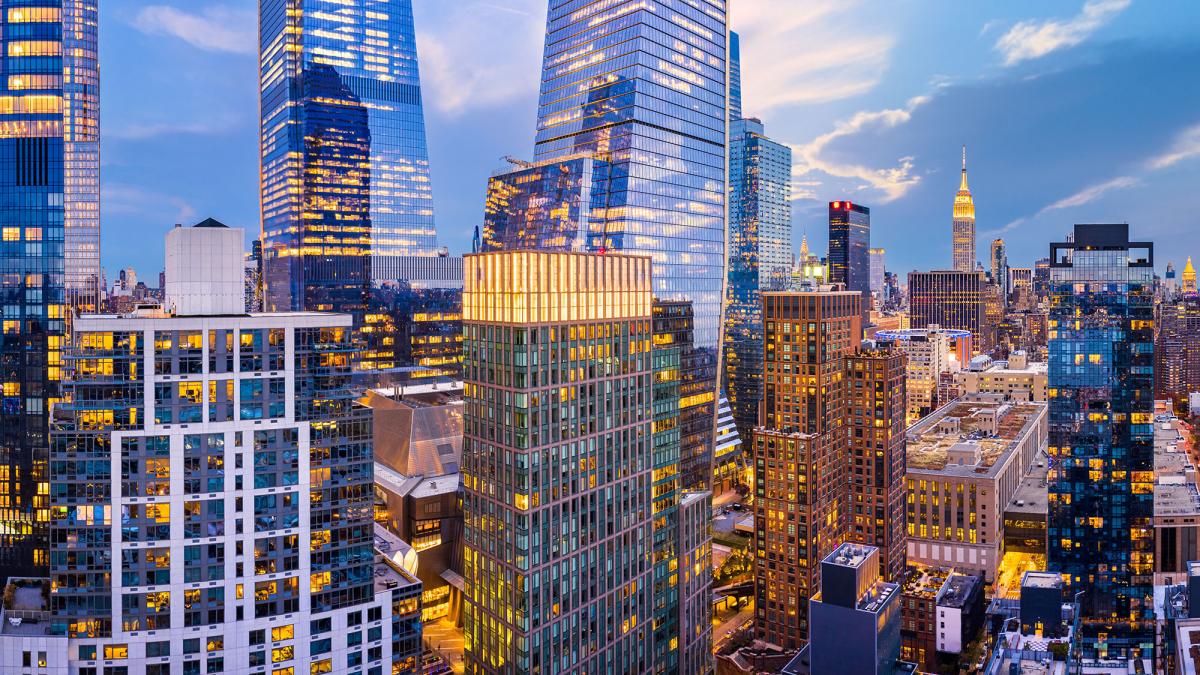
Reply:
x=1101, y=396
x=641, y=86
x=735, y=77
x=760, y=246
x=346, y=193
x=48, y=201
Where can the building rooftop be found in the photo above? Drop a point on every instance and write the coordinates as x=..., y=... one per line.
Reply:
x=925, y=582
x=876, y=598
x=958, y=589
x=27, y=614
x=1041, y=580
x=849, y=555
x=1187, y=636
x=982, y=423
x=390, y=576
x=1175, y=487
x=1030, y=497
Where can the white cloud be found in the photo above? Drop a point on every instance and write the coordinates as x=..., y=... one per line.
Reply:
x=1185, y=146
x=477, y=54
x=144, y=131
x=215, y=29
x=790, y=54
x=1091, y=193
x=125, y=199
x=893, y=182
x=1034, y=39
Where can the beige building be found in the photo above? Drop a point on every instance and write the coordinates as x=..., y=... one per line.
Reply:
x=930, y=353
x=1017, y=380
x=965, y=463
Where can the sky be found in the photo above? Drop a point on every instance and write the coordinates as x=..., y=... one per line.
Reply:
x=1071, y=110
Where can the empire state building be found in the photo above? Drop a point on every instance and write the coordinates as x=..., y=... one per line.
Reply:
x=964, y=224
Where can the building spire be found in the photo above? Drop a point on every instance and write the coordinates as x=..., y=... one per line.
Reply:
x=963, y=186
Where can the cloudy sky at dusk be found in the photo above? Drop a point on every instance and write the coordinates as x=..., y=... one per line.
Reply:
x=1072, y=111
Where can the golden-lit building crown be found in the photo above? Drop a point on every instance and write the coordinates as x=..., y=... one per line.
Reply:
x=964, y=204
x=1189, y=277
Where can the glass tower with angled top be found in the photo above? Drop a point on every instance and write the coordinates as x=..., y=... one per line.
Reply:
x=641, y=88
x=49, y=220
x=345, y=184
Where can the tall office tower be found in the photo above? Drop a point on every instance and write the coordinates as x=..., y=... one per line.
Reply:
x=346, y=194
x=1177, y=351
x=849, y=246
x=1101, y=383
x=1170, y=281
x=878, y=270
x=964, y=224
x=875, y=403
x=1189, y=278
x=801, y=453
x=760, y=257
x=956, y=300
x=1041, y=279
x=49, y=191
x=212, y=502
x=658, y=184
x=999, y=268
x=1018, y=278
x=559, y=373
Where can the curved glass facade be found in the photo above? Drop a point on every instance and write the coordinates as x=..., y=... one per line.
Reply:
x=48, y=203
x=346, y=191
x=642, y=87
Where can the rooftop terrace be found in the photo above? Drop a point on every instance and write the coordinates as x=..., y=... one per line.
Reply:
x=983, y=429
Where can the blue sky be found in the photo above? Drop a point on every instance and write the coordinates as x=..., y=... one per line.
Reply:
x=1072, y=111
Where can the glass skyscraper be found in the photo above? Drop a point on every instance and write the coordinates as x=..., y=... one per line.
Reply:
x=641, y=88
x=760, y=257
x=346, y=194
x=1101, y=395
x=49, y=222
x=849, y=249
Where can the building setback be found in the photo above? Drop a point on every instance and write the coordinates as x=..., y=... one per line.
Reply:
x=1100, y=530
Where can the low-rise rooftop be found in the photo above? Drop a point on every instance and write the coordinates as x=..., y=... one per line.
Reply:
x=958, y=589
x=1041, y=580
x=1030, y=497
x=986, y=424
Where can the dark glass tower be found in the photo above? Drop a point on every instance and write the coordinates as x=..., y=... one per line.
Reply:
x=849, y=249
x=346, y=193
x=48, y=204
x=1101, y=391
x=641, y=89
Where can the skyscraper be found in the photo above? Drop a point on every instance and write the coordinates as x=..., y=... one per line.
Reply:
x=1101, y=497
x=346, y=192
x=658, y=180
x=49, y=194
x=760, y=256
x=1177, y=350
x=564, y=375
x=951, y=299
x=211, y=503
x=999, y=267
x=964, y=224
x=1189, y=278
x=878, y=270
x=735, y=77
x=849, y=249
x=801, y=453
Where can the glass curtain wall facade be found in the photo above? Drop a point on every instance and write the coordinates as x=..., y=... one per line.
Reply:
x=559, y=457
x=48, y=208
x=1101, y=396
x=849, y=249
x=642, y=87
x=345, y=185
x=760, y=257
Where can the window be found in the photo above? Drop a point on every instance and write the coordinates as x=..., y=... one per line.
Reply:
x=282, y=633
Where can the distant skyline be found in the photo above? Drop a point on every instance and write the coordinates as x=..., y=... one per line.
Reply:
x=1072, y=112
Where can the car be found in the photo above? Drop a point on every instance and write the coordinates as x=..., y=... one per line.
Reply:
x=737, y=506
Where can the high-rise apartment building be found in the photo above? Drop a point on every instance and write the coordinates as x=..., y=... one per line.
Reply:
x=876, y=422
x=1100, y=531
x=570, y=457
x=950, y=299
x=931, y=353
x=212, y=505
x=656, y=183
x=1177, y=351
x=801, y=453
x=346, y=195
x=760, y=257
x=50, y=257
x=849, y=249
x=963, y=229
x=857, y=606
